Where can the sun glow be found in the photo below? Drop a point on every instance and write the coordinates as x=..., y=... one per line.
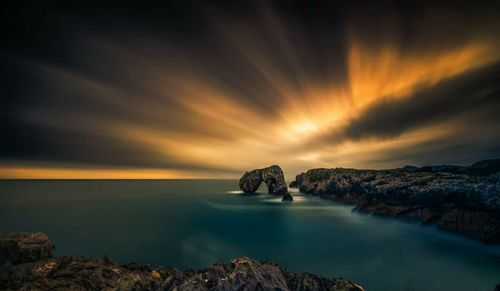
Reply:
x=19, y=172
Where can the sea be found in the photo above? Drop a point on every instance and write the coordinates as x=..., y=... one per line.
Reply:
x=194, y=223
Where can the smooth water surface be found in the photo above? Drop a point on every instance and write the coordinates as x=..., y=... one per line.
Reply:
x=194, y=223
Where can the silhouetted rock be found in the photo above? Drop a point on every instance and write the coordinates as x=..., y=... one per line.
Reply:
x=287, y=197
x=24, y=247
x=272, y=176
x=442, y=169
x=464, y=203
x=77, y=273
x=481, y=168
x=486, y=167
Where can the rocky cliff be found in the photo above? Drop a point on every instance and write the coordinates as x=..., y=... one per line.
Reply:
x=273, y=178
x=27, y=264
x=461, y=199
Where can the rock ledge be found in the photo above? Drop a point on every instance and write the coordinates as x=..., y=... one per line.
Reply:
x=77, y=273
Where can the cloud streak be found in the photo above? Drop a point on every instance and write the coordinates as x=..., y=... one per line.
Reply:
x=447, y=99
x=208, y=90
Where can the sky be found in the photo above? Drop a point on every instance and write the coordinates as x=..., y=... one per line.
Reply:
x=210, y=89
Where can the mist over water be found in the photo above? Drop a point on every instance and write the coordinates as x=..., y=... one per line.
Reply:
x=193, y=223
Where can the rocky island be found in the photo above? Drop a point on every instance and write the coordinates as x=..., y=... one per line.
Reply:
x=26, y=263
x=272, y=176
x=465, y=200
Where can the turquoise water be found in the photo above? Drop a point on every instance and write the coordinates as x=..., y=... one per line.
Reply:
x=193, y=223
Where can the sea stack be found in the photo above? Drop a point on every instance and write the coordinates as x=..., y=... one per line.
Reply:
x=273, y=178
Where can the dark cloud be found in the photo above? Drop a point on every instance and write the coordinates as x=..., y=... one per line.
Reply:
x=472, y=98
x=445, y=100
x=38, y=144
x=473, y=142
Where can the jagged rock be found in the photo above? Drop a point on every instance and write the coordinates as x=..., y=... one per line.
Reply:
x=459, y=202
x=272, y=176
x=497, y=288
x=77, y=273
x=24, y=247
x=243, y=274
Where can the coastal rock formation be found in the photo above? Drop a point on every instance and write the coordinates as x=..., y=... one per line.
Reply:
x=77, y=273
x=251, y=181
x=24, y=247
x=460, y=199
x=273, y=178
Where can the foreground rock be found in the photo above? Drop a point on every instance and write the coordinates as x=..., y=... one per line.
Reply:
x=460, y=199
x=273, y=178
x=25, y=247
x=77, y=273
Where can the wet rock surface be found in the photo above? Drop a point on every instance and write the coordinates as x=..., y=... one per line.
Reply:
x=77, y=273
x=460, y=199
x=273, y=178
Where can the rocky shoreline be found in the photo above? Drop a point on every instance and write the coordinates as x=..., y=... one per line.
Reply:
x=26, y=263
x=465, y=200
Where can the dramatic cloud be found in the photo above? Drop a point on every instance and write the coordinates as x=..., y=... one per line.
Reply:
x=209, y=89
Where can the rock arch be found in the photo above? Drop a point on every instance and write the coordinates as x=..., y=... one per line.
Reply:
x=273, y=178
